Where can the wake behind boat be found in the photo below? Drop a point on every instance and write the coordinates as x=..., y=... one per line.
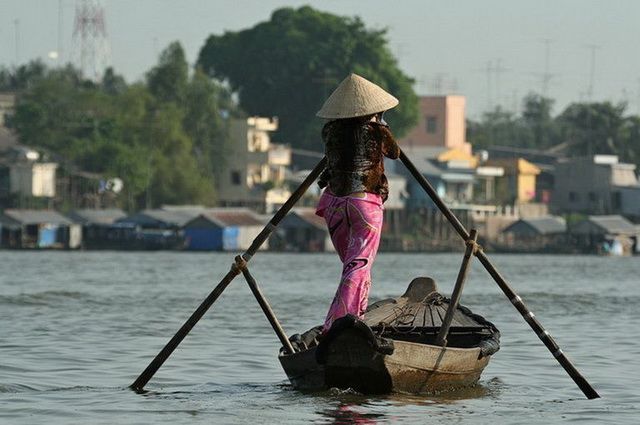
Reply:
x=394, y=349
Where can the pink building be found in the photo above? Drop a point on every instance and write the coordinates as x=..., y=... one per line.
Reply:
x=441, y=124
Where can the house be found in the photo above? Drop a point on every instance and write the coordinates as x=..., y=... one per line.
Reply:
x=544, y=160
x=535, y=234
x=254, y=173
x=607, y=234
x=450, y=172
x=518, y=183
x=7, y=104
x=157, y=228
x=100, y=230
x=303, y=231
x=537, y=226
x=223, y=229
x=38, y=229
x=598, y=184
x=441, y=124
x=24, y=177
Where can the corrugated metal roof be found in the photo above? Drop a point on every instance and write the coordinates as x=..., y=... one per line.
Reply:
x=89, y=216
x=545, y=225
x=177, y=218
x=26, y=217
x=232, y=217
x=614, y=224
x=309, y=216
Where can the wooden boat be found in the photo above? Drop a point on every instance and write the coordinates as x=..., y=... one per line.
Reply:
x=393, y=348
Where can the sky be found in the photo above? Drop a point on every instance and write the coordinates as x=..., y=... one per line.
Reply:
x=493, y=52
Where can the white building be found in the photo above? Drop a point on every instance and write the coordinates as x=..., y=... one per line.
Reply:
x=254, y=172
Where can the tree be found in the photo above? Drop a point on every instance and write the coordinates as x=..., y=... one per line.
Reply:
x=537, y=118
x=168, y=80
x=289, y=65
x=593, y=128
x=497, y=127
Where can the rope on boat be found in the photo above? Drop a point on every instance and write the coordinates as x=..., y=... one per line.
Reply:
x=239, y=265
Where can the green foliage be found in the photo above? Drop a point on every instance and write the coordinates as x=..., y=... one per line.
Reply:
x=161, y=137
x=593, y=128
x=289, y=65
x=582, y=129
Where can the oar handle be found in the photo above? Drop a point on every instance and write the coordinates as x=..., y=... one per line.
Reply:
x=528, y=316
x=163, y=355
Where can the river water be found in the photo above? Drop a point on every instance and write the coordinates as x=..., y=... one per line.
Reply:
x=76, y=328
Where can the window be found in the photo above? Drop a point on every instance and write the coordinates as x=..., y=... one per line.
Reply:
x=616, y=201
x=235, y=178
x=432, y=124
x=573, y=197
x=593, y=197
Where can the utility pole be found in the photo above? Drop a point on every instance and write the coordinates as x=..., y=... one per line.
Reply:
x=499, y=69
x=638, y=100
x=16, y=27
x=90, y=38
x=546, y=75
x=60, y=26
x=592, y=70
x=489, y=71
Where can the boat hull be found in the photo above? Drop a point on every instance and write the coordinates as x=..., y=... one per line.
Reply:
x=352, y=362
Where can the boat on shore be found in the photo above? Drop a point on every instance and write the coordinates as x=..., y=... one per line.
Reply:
x=393, y=348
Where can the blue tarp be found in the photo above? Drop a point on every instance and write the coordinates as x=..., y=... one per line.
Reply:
x=47, y=236
x=230, y=238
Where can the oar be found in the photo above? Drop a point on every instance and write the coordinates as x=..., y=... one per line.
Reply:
x=457, y=289
x=517, y=302
x=164, y=354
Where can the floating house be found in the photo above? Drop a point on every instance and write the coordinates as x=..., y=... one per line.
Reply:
x=303, y=231
x=606, y=234
x=536, y=227
x=535, y=234
x=223, y=229
x=100, y=230
x=159, y=228
x=38, y=229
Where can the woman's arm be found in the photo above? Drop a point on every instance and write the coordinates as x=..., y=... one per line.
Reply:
x=390, y=147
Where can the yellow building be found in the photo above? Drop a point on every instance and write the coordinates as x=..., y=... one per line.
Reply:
x=518, y=185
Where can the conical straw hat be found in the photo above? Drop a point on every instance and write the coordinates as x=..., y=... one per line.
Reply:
x=356, y=97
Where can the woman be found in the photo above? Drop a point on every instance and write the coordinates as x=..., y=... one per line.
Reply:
x=356, y=140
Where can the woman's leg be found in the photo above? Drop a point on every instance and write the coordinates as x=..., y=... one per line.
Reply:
x=355, y=232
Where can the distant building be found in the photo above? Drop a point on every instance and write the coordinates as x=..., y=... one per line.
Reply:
x=223, y=229
x=599, y=184
x=450, y=172
x=536, y=234
x=38, y=229
x=606, y=234
x=100, y=230
x=545, y=161
x=441, y=123
x=518, y=184
x=254, y=173
x=24, y=176
x=537, y=226
x=303, y=231
x=7, y=104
